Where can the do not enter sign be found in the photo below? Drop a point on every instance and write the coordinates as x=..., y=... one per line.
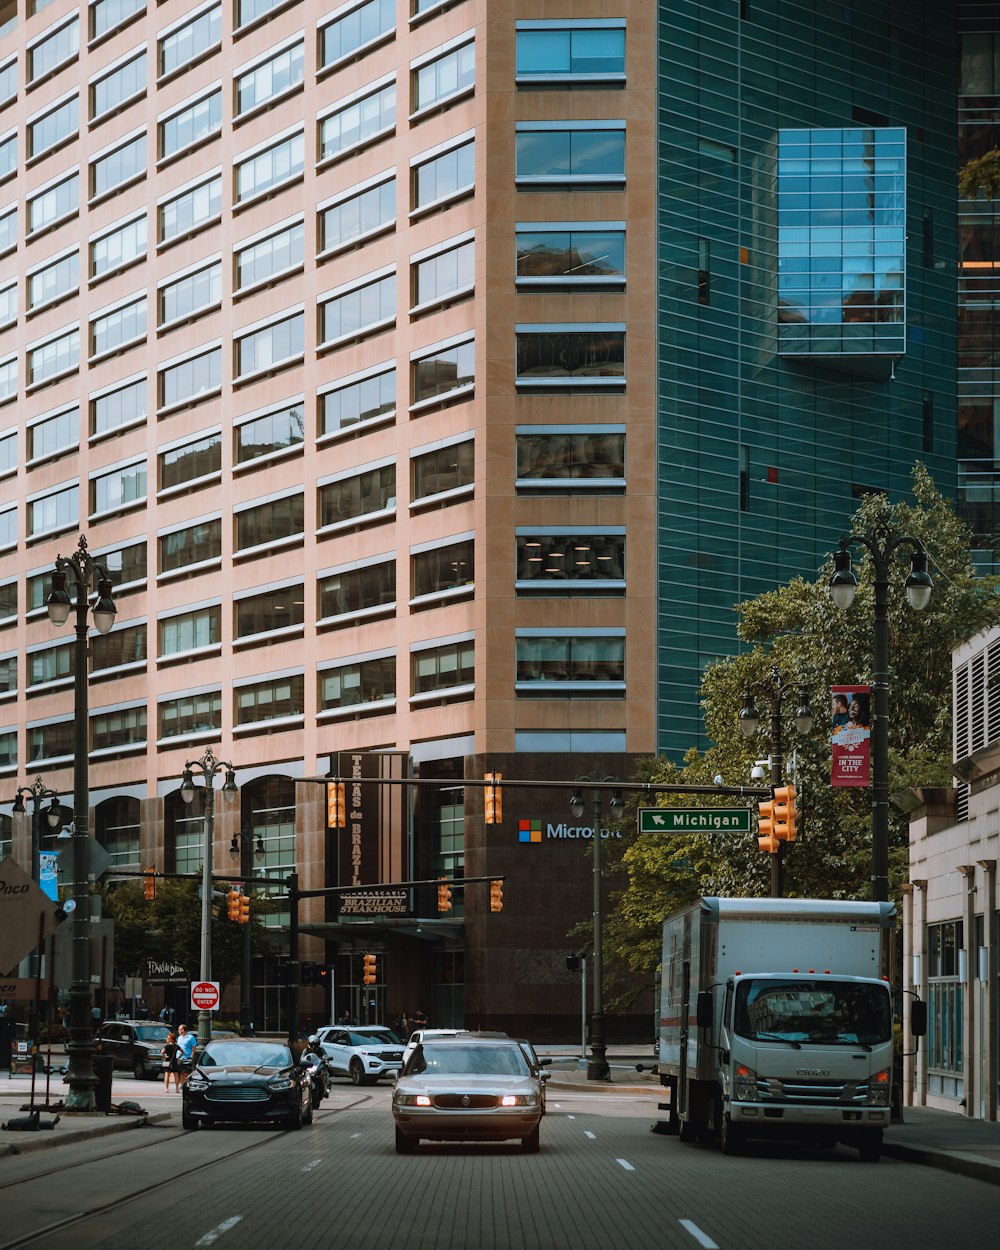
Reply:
x=205, y=995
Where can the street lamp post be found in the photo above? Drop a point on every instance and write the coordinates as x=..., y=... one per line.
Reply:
x=597, y=1066
x=882, y=544
x=244, y=846
x=774, y=688
x=80, y=568
x=36, y=792
x=208, y=766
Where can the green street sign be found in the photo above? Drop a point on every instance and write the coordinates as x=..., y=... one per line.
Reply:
x=694, y=819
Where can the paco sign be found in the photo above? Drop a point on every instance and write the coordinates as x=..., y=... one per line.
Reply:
x=205, y=995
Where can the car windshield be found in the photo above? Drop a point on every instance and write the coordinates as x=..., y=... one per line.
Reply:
x=844, y=1013
x=152, y=1032
x=246, y=1055
x=446, y=1057
x=381, y=1036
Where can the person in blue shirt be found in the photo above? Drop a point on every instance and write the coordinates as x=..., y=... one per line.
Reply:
x=186, y=1042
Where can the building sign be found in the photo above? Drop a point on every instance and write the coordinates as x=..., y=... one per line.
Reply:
x=375, y=902
x=48, y=873
x=159, y=972
x=373, y=840
x=850, y=720
x=534, y=830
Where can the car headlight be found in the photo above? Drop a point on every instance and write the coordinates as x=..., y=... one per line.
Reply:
x=519, y=1100
x=280, y=1083
x=197, y=1082
x=744, y=1084
x=878, y=1089
x=411, y=1100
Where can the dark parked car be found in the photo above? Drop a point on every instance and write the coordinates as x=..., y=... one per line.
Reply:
x=134, y=1045
x=247, y=1080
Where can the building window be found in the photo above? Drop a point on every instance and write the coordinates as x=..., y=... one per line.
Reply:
x=53, y=204
x=191, y=125
x=570, y=52
x=265, y=259
x=357, y=685
x=58, y=510
x=191, y=631
x=59, y=432
x=704, y=272
x=118, y=248
x=443, y=470
x=447, y=372
x=8, y=456
x=271, y=168
x=744, y=477
x=561, y=663
x=270, y=522
x=556, y=562
x=360, y=121
x=59, y=278
x=275, y=699
x=124, y=83
x=367, y=399
x=125, y=405
x=8, y=752
x=362, y=310
x=126, y=565
x=360, y=28
x=8, y=674
x=54, y=127
x=190, y=714
x=8, y=526
x=189, y=379
x=445, y=176
x=570, y=355
x=53, y=664
x=114, y=169
x=272, y=78
x=195, y=461
x=193, y=545
x=270, y=347
x=52, y=359
x=443, y=567
x=444, y=276
x=270, y=433
x=360, y=215
x=118, y=328
x=189, y=835
x=124, y=727
x=945, y=1043
x=188, y=42
x=105, y=15
x=119, y=489
x=349, y=591
x=54, y=50
x=270, y=611
x=191, y=294
x=8, y=379
x=8, y=600
x=8, y=155
x=434, y=669
x=584, y=153
x=118, y=831
x=357, y=497
x=587, y=254
x=190, y=210
x=8, y=228
x=570, y=458
x=51, y=742
x=8, y=81
x=250, y=10
x=443, y=78
x=118, y=649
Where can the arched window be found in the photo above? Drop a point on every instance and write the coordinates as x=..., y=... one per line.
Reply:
x=116, y=827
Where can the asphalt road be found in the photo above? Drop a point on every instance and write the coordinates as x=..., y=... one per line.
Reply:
x=601, y=1180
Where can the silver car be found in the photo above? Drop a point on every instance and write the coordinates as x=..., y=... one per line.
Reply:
x=464, y=1089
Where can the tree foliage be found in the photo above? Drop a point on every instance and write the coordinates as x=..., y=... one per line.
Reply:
x=815, y=645
x=981, y=174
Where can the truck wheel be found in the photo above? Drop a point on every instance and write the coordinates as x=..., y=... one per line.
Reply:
x=731, y=1137
x=687, y=1132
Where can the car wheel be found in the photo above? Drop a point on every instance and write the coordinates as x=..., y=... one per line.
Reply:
x=405, y=1145
x=295, y=1120
x=138, y=1069
x=532, y=1143
x=308, y=1117
x=187, y=1119
x=357, y=1072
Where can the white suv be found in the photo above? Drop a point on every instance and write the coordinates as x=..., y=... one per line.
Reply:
x=363, y=1052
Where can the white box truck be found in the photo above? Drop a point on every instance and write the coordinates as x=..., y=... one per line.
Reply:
x=776, y=1021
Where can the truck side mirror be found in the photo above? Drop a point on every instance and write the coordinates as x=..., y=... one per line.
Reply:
x=918, y=1018
x=704, y=1013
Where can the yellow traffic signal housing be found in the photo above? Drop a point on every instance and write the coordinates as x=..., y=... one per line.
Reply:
x=766, y=839
x=234, y=903
x=149, y=885
x=336, y=804
x=496, y=896
x=244, y=909
x=493, y=799
x=785, y=813
x=369, y=969
x=444, y=896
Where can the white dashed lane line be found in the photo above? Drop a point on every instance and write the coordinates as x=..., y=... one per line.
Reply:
x=219, y=1229
x=588, y=1133
x=701, y=1238
x=625, y=1164
x=309, y=1166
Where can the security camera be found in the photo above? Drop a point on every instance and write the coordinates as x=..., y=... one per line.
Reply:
x=756, y=773
x=718, y=779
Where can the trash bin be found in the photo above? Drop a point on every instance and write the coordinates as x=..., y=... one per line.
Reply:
x=104, y=1066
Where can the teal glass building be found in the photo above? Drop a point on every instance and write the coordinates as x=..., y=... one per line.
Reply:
x=806, y=301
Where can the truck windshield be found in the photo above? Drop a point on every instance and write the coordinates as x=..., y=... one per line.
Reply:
x=833, y=1012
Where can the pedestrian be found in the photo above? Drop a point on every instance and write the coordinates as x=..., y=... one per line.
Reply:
x=142, y=1012
x=95, y=1017
x=419, y=1019
x=345, y=1016
x=171, y=1062
x=167, y=1015
x=186, y=1042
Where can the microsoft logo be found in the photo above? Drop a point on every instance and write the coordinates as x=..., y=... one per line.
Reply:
x=529, y=831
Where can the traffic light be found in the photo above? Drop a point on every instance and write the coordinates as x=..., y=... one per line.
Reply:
x=369, y=970
x=496, y=896
x=572, y=963
x=234, y=903
x=494, y=799
x=149, y=884
x=321, y=975
x=766, y=839
x=336, y=804
x=244, y=915
x=785, y=813
x=444, y=896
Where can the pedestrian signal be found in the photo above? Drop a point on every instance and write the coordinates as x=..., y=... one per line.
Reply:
x=496, y=896
x=444, y=896
x=369, y=969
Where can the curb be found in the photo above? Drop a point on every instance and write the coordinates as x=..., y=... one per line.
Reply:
x=45, y=1139
x=957, y=1162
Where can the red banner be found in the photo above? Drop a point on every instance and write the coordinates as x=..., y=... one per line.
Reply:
x=850, y=719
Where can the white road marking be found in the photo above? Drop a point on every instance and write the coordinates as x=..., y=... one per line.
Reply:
x=219, y=1229
x=703, y=1239
x=309, y=1166
x=588, y=1133
x=626, y=1165
x=353, y=1135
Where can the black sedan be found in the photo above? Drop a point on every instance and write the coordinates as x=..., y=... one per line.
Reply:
x=246, y=1080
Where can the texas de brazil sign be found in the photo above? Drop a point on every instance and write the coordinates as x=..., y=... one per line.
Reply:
x=694, y=819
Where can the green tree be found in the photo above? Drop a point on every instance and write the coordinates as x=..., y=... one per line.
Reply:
x=981, y=174
x=814, y=644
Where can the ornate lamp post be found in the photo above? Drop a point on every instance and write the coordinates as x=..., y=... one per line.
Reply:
x=244, y=846
x=208, y=766
x=774, y=688
x=597, y=1067
x=882, y=544
x=80, y=569
x=36, y=792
